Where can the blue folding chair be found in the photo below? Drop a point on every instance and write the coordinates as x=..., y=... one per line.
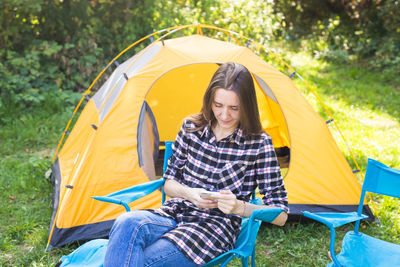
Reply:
x=359, y=249
x=245, y=244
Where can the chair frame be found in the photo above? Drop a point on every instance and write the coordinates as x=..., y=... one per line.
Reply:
x=379, y=179
x=245, y=245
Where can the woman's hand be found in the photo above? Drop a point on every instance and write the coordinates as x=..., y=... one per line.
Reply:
x=194, y=197
x=174, y=189
x=229, y=204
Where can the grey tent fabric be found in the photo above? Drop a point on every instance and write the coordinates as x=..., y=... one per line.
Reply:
x=147, y=138
x=110, y=90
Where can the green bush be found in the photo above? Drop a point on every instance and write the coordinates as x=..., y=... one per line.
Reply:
x=367, y=31
x=53, y=45
x=43, y=77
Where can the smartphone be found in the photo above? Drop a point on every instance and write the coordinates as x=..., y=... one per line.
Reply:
x=206, y=195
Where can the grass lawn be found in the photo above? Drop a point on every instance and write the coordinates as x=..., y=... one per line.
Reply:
x=364, y=103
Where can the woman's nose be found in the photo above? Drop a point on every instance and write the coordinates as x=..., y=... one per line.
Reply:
x=225, y=113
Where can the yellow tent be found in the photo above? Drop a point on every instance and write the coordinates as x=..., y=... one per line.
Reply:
x=114, y=144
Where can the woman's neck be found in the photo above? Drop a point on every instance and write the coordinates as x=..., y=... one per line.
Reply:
x=221, y=133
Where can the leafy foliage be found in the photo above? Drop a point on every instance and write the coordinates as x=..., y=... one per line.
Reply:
x=52, y=45
x=368, y=30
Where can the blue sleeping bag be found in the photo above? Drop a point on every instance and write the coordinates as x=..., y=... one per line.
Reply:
x=90, y=254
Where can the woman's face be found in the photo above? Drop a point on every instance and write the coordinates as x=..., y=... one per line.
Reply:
x=226, y=109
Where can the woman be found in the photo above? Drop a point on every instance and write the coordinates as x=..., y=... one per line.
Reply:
x=220, y=156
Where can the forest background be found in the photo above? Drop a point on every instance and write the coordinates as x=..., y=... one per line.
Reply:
x=51, y=50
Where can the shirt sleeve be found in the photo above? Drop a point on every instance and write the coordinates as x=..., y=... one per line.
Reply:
x=269, y=179
x=178, y=158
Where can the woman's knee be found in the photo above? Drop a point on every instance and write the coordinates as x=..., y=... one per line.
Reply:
x=129, y=220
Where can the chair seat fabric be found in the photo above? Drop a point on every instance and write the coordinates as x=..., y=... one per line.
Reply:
x=369, y=251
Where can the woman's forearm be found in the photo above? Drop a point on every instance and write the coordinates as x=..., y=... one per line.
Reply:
x=248, y=208
x=174, y=189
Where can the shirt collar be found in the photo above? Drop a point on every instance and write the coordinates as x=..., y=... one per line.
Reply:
x=206, y=131
x=236, y=136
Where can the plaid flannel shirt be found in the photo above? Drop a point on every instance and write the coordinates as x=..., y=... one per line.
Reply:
x=236, y=163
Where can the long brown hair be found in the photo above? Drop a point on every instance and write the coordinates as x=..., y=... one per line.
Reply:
x=235, y=77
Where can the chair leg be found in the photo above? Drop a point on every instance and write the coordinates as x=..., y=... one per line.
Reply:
x=245, y=262
x=332, y=248
x=253, y=258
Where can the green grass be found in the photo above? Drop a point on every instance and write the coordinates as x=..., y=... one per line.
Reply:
x=28, y=142
x=364, y=103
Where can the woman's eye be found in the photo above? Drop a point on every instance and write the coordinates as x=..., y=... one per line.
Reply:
x=235, y=108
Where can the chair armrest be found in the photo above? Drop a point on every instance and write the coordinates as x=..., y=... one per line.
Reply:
x=333, y=220
x=127, y=195
x=267, y=214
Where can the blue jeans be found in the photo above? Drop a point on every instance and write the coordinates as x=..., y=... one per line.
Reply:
x=135, y=241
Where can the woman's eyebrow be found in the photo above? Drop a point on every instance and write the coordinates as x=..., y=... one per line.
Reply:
x=232, y=106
